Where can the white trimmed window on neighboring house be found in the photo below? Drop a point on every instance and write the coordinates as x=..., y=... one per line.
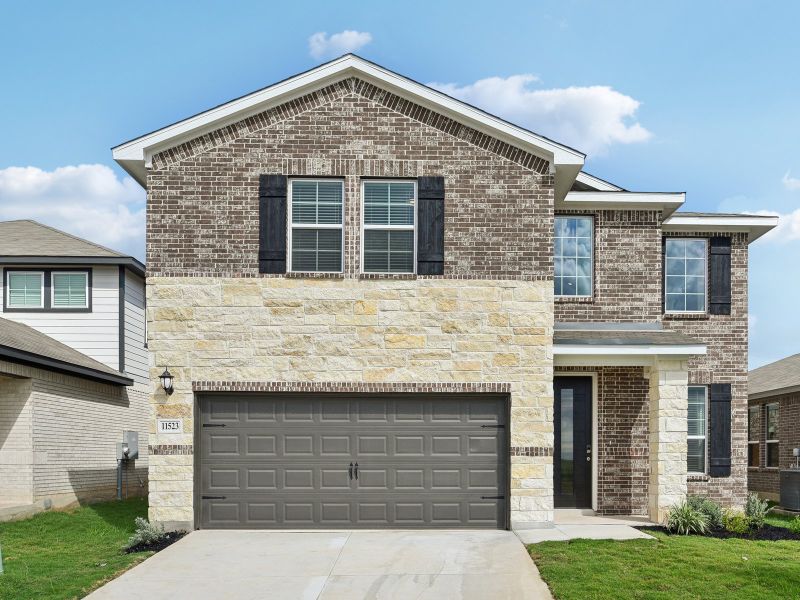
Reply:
x=685, y=275
x=573, y=256
x=69, y=289
x=25, y=289
x=389, y=222
x=316, y=235
x=773, y=446
x=697, y=427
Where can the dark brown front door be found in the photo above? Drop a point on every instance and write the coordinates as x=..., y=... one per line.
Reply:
x=572, y=461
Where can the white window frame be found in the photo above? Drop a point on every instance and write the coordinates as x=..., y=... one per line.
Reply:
x=766, y=435
x=705, y=277
x=8, y=289
x=291, y=226
x=412, y=228
x=757, y=410
x=591, y=257
x=703, y=437
x=53, y=290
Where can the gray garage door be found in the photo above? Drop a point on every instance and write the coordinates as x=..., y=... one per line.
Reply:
x=328, y=460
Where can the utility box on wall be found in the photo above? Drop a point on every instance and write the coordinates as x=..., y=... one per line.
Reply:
x=790, y=489
x=129, y=448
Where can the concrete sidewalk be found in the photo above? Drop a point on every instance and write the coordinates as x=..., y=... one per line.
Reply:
x=570, y=526
x=339, y=564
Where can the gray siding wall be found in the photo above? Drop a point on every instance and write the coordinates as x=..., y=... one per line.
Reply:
x=136, y=363
x=16, y=442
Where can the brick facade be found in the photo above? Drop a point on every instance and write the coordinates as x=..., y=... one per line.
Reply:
x=766, y=480
x=628, y=287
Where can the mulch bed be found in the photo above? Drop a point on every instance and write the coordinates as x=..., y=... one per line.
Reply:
x=768, y=533
x=166, y=540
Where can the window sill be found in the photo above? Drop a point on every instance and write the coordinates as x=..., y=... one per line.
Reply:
x=313, y=275
x=686, y=316
x=575, y=299
x=401, y=276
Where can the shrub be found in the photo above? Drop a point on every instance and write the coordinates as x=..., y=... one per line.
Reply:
x=709, y=508
x=756, y=510
x=735, y=522
x=146, y=533
x=685, y=519
x=794, y=525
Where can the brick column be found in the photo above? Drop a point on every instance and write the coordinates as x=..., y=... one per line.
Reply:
x=669, y=381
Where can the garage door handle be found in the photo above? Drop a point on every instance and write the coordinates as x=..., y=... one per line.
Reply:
x=493, y=497
x=493, y=426
x=350, y=471
x=213, y=424
x=356, y=470
x=213, y=497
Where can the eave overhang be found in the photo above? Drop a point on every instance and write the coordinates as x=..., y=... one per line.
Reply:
x=754, y=225
x=136, y=155
x=664, y=202
x=51, y=364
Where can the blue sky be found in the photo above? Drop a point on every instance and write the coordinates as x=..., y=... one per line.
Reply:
x=699, y=97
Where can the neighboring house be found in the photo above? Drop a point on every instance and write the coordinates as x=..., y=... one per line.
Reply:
x=773, y=424
x=73, y=367
x=351, y=277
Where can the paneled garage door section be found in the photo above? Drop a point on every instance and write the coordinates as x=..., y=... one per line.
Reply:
x=330, y=461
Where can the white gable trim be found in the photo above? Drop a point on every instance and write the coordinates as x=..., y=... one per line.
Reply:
x=601, y=185
x=666, y=202
x=134, y=156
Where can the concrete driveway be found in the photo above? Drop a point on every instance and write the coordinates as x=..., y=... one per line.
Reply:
x=341, y=564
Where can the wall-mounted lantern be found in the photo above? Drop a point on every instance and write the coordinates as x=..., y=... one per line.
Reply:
x=166, y=382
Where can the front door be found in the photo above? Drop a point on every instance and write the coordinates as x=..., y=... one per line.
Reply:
x=572, y=460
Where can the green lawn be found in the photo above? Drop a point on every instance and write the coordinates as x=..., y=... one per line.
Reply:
x=67, y=554
x=670, y=567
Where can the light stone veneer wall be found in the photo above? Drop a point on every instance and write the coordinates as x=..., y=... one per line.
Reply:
x=669, y=380
x=300, y=330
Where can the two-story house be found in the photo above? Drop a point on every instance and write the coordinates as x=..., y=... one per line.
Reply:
x=73, y=369
x=383, y=307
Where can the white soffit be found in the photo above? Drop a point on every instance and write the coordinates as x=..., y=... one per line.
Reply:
x=134, y=156
x=666, y=202
x=628, y=349
x=754, y=225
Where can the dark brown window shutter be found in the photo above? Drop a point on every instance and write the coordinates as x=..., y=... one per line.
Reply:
x=430, y=226
x=272, y=224
x=719, y=430
x=720, y=276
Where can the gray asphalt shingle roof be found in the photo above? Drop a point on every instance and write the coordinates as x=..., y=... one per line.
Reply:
x=781, y=374
x=30, y=238
x=21, y=343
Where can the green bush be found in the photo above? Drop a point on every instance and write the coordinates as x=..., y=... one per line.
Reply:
x=709, y=508
x=735, y=522
x=685, y=519
x=794, y=525
x=146, y=533
x=756, y=510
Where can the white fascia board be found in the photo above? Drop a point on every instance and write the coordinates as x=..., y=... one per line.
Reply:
x=666, y=202
x=628, y=350
x=140, y=150
x=597, y=183
x=754, y=225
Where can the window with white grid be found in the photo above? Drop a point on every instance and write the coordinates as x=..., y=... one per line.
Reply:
x=315, y=232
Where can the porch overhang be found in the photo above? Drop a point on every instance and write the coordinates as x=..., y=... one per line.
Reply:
x=598, y=344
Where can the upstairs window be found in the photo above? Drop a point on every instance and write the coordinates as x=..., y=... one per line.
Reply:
x=573, y=256
x=70, y=290
x=773, y=447
x=315, y=234
x=25, y=289
x=389, y=222
x=697, y=429
x=685, y=274
x=753, y=441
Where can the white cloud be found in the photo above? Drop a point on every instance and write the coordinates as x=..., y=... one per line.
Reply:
x=589, y=118
x=89, y=201
x=789, y=182
x=788, y=229
x=320, y=45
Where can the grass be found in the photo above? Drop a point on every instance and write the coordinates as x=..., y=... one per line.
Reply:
x=671, y=567
x=68, y=554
